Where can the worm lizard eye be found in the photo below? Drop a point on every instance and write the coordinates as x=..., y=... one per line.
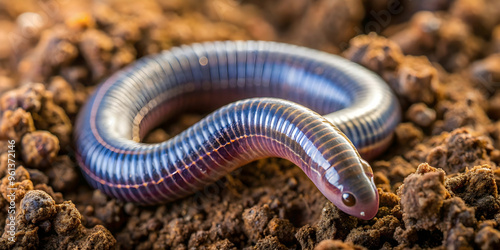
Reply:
x=348, y=199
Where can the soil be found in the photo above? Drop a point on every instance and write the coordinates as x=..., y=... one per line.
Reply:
x=438, y=182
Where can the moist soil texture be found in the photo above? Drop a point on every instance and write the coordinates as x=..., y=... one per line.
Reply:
x=438, y=181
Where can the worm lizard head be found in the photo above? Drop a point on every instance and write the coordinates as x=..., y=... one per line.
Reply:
x=356, y=195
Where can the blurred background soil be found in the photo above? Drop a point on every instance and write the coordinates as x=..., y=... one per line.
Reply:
x=437, y=182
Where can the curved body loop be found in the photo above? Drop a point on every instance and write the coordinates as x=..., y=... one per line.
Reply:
x=344, y=96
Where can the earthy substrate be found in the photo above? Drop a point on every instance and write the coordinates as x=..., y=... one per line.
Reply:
x=437, y=182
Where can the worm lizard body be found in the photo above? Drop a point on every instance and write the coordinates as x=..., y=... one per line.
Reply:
x=205, y=76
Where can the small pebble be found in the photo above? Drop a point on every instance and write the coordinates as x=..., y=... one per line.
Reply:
x=37, y=206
